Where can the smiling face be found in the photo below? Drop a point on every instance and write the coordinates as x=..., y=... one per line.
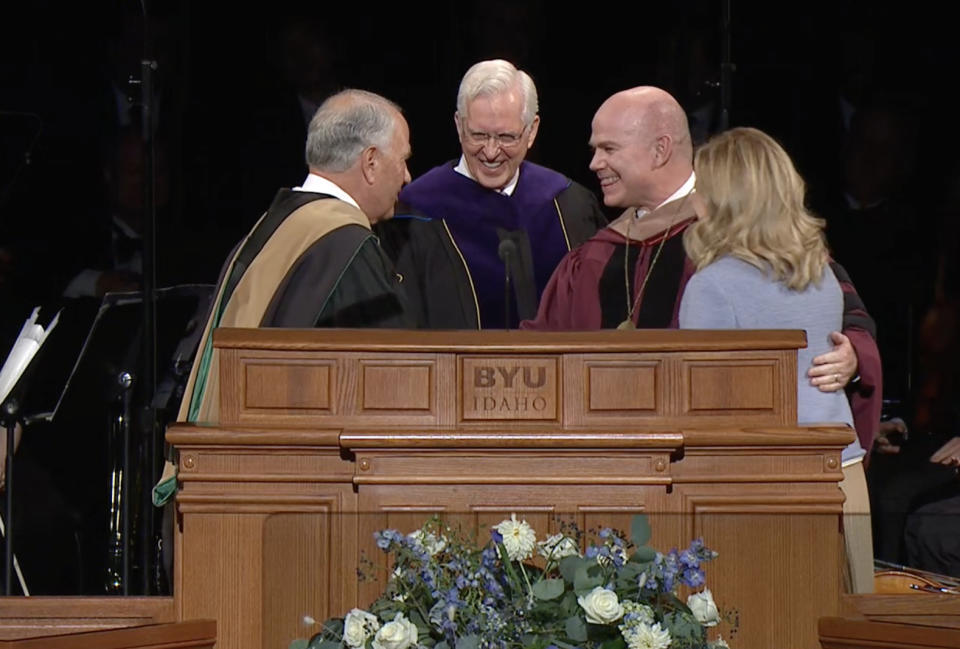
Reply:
x=624, y=157
x=494, y=138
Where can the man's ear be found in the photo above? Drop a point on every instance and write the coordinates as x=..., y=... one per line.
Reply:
x=369, y=164
x=534, y=129
x=662, y=150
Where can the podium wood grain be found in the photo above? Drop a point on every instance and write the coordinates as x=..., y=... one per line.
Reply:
x=327, y=436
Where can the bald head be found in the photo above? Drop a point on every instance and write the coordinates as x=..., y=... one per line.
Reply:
x=642, y=147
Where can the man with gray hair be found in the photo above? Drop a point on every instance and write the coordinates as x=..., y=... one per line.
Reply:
x=312, y=259
x=483, y=234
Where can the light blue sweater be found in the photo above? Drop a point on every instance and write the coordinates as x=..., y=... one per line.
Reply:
x=732, y=294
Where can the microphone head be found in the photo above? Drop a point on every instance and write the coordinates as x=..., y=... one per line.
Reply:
x=507, y=248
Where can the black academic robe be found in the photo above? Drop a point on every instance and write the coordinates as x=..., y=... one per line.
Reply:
x=310, y=261
x=445, y=242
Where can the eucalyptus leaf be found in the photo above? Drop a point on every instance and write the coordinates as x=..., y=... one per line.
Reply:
x=630, y=571
x=334, y=626
x=318, y=642
x=570, y=565
x=548, y=589
x=684, y=628
x=442, y=645
x=564, y=645
x=299, y=643
x=643, y=554
x=615, y=643
x=468, y=642
x=569, y=605
x=588, y=577
x=640, y=530
x=576, y=628
x=415, y=617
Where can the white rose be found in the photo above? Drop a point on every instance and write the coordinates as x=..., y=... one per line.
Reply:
x=602, y=606
x=399, y=634
x=358, y=625
x=704, y=608
x=557, y=547
x=519, y=539
x=719, y=643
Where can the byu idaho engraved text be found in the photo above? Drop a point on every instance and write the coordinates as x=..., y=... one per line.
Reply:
x=508, y=388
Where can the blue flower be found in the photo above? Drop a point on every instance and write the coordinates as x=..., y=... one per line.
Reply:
x=689, y=559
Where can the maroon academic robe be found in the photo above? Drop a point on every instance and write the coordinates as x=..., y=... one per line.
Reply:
x=587, y=292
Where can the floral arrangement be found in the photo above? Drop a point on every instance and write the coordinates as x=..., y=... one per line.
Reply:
x=514, y=592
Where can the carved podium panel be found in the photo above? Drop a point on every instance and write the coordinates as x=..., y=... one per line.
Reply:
x=327, y=436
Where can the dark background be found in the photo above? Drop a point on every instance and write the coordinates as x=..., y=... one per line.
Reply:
x=230, y=131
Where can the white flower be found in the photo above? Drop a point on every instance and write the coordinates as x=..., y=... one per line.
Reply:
x=704, y=608
x=399, y=634
x=602, y=606
x=430, y=542
x=557, y=547
x=635, y=613
x=615, y=550
x=359, y=625
x=719, y=643
x=648, y=636
x=519, y=538
x=397, y=576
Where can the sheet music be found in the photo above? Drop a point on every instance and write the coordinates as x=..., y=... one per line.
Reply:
x=24, y=349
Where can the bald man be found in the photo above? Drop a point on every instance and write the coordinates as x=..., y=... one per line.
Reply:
x=632, y=273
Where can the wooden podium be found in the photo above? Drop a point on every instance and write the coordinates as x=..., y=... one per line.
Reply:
x=326, y=436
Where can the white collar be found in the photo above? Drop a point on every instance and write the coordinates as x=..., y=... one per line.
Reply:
x=464, y=170
x=321, y=185
x=682, y=191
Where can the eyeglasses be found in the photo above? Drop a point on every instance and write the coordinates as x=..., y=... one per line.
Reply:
x=503, y=140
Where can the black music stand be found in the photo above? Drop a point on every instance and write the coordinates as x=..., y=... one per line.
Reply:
x=11, y=413
x=101, y=385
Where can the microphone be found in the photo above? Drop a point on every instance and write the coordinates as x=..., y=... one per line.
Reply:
x=508, y=253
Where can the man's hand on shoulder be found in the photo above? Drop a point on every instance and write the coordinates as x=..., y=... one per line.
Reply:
x=834, y=370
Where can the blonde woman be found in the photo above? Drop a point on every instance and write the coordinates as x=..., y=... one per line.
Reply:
x=762, y=263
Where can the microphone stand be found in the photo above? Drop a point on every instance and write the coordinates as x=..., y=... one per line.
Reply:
x=11, y=412
x=506, y=291
x=148, y=377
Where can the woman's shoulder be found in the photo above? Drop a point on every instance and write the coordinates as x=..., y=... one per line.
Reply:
x=730, y=266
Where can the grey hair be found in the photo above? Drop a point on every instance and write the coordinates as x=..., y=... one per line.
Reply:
x=495, y=77
x=346, y=124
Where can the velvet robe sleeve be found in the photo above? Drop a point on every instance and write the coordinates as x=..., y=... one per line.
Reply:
x=570, y=300
x=866, y=394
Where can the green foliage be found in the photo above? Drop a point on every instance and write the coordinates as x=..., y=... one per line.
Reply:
x=447, y=593
x=468, y=642
x=687, y=633
x=548, y=589
x=576, y=628
x=640, y=530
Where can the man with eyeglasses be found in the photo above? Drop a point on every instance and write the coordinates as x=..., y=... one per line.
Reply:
x=477, y=239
